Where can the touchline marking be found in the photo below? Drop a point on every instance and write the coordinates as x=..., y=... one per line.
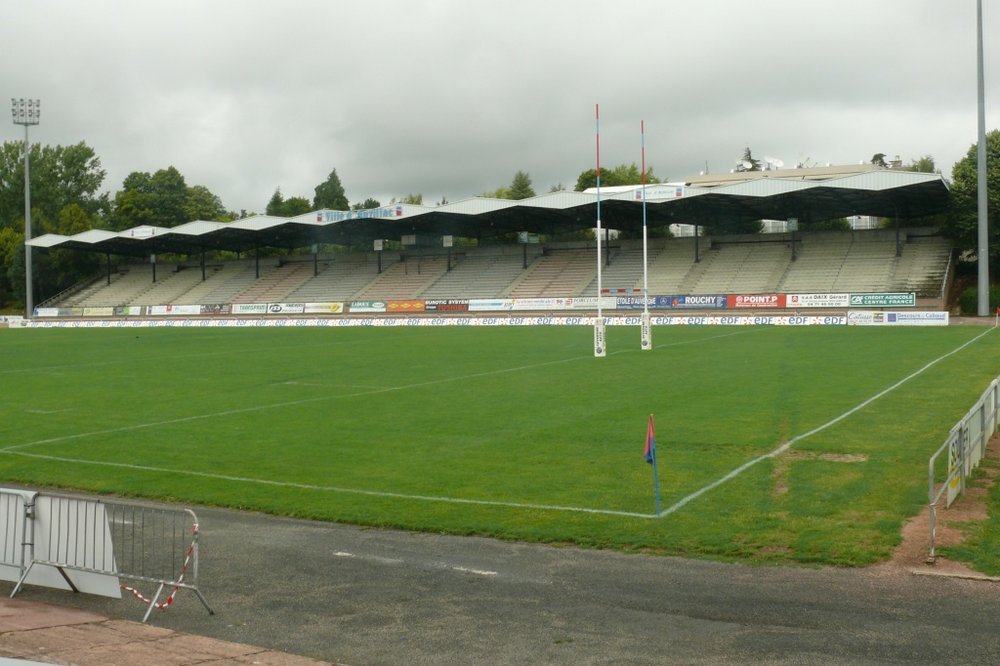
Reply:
x=304, y=401
x=798, y=438
x=332, y=489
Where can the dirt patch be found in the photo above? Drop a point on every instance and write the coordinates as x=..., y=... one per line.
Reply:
x=912, y=553
x=779, y=477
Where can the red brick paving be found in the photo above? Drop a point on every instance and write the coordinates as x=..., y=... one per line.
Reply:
x=53, y=635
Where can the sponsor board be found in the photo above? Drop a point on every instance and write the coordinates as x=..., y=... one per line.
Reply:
x=537, y=303
x=129, y=311
x=410, y=305
x=366, y=306
x=884, y=300
x=891, y=318
x=106, y=311
x=633, y=302
x=249, y=308
x=696, y=302
x=817, y=300
x=323, y=308
x=286, y=308
x=488, y=304
x=215, y=309
x=173, y=310
x=447, y=305
x=755, y=301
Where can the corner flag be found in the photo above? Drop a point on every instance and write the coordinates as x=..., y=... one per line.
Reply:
x=650, y=452
x=649, y=455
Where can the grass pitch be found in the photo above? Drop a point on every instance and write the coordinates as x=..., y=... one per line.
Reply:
x=518, y=433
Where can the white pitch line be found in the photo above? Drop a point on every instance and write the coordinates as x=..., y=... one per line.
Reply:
x=333, y=489
x=787, y=445
x=304, y=401
x=15, y=449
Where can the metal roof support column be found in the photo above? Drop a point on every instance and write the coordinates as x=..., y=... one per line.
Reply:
x=607, y=244
x=152, y=260
x=697, y=249
x=257, y=262
x=203, y=264
x=108, y=255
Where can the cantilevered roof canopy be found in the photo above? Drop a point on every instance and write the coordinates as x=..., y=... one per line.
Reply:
x=809, y=195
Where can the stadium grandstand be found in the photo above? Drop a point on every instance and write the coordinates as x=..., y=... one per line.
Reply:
x=467, y=249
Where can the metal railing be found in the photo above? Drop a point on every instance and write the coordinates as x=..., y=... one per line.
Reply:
x=966, y=446
x=91, y=544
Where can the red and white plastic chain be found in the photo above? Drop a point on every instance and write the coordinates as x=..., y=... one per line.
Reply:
x=180, y=579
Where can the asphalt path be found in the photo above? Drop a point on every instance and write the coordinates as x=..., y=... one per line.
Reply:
x=371, y=596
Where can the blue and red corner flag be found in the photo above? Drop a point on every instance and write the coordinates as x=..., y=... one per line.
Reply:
x=650, y=453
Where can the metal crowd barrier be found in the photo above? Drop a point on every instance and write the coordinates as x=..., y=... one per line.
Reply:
x=89, y=545
x=966, y=445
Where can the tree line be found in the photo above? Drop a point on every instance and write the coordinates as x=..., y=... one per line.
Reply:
x=67, y=199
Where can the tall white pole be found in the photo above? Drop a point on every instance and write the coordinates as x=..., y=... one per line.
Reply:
x=27, y=112
x=645, y=329
x=600, y=346
x=983, y=252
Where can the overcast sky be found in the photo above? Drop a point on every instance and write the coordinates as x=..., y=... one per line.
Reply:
x=449, y=98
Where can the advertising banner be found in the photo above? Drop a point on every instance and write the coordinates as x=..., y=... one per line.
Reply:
x=489, y=304
x=448, y=305
x=175, y=310
x=107, y=311
x=323, y=308
x=366, y=306
x=692, y=302
x=286, y=308
x=884, y=300
x=216, y=309
x=634, y=302
x=756, y=301
x=537, y=303
x=249, y=308
x=889, y=318
x=411, y=305
x=817, y=300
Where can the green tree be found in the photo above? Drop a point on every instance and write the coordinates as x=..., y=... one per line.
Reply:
x=60, y=175
x=294, y=206
x=520, y=187
x=623, y=174
x=367, y=204
x=878, y=159
x=499, y=193
x=330, y=194
x=923, y=164
x=157, y=199
x=201, y=204
x=276, y=204
x=963, y=214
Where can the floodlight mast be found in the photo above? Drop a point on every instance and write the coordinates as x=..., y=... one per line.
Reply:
x=983, y=252
x=27, y=112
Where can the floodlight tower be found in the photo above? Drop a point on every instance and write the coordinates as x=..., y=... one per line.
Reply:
x=26, y=112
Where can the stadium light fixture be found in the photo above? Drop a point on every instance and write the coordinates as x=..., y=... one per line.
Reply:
x=26, y=112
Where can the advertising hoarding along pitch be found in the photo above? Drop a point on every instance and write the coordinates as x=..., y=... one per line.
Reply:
x=884, y=300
